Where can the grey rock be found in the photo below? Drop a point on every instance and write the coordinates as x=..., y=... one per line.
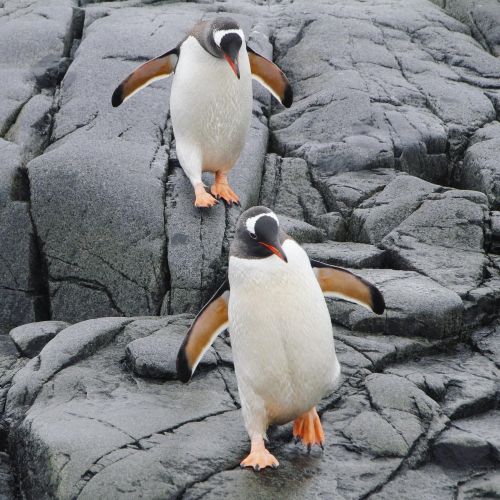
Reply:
x=72, y=344
x=18, y=290
x=32, y=127
x=155, y=356
x=429, y=482
x=482, y=17
x=357, y=255
x=456, y=448
x=389, y=96
x=33, y=35
x=485, y=486
x=287, y=188
x=90, y=414
x=301, y=231
x=370, y=431
x=346, y=191
x=379, y=215
x=334, y=225
x=495, y=232
x=470, y=380
x=470, y=442
x=31, y=338
x=7, y=485
x=480, y=170
x=416, y=306
x=443, y=239
x=487, y=342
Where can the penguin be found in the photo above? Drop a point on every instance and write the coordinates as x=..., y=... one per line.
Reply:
x=273, y=304
x=211, y=100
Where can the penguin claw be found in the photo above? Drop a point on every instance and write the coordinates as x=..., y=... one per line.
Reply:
x=222, y=191
x=205, y=200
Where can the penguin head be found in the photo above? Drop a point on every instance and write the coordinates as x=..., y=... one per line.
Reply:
x=258, y=235
x=223, y=38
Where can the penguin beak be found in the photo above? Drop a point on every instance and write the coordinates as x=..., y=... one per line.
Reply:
x=276, y=249
x=230, y=46
x=233, y=63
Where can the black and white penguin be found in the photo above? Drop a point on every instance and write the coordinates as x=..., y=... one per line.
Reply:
x=281, y=334
x=211, y=99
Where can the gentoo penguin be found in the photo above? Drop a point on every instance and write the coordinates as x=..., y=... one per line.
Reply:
x=211, y=99
x=281, y=334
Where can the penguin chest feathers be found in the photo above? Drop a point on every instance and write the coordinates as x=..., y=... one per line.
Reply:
x=211, y=108
x=281, y=333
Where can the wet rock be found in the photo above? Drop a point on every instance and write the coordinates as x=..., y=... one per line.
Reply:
x=357, y=255
x=31, y=338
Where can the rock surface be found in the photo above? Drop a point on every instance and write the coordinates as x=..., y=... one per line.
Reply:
x=31, y=338
x=386, y=163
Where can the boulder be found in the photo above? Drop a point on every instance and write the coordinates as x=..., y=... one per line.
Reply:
x=443, y=239
x=30, y=339
x=415, y=306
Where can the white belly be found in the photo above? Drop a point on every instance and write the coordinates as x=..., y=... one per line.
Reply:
x=281, y=336
x=210, y=107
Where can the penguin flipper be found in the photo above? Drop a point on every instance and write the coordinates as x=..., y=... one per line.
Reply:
x=152, y=70
x=271, y=77
x=210, y=321
x=341, y=283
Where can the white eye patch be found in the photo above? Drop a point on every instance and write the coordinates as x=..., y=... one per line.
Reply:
x=253, y=220
x=219, y=34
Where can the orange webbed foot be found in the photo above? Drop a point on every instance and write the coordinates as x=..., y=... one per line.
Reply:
x=221, y=190
x=308, y=429
x=259, y=458
x=204, y=199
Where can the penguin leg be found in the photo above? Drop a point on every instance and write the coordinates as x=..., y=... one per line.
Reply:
x=308, y=429
x=190, y=159
x=221, y=189
x=259, y=457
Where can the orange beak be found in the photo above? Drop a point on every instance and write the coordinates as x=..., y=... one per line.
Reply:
x=234, y=65
x=278, y=252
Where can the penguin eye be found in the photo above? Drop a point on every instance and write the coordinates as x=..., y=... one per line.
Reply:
x=253, y=236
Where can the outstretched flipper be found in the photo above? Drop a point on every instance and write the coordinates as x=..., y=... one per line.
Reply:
x=209, y=322
x=155, y=69
x=271, y=77
x=341, y=283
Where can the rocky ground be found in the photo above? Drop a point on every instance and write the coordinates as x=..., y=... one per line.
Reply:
x=388, y=163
